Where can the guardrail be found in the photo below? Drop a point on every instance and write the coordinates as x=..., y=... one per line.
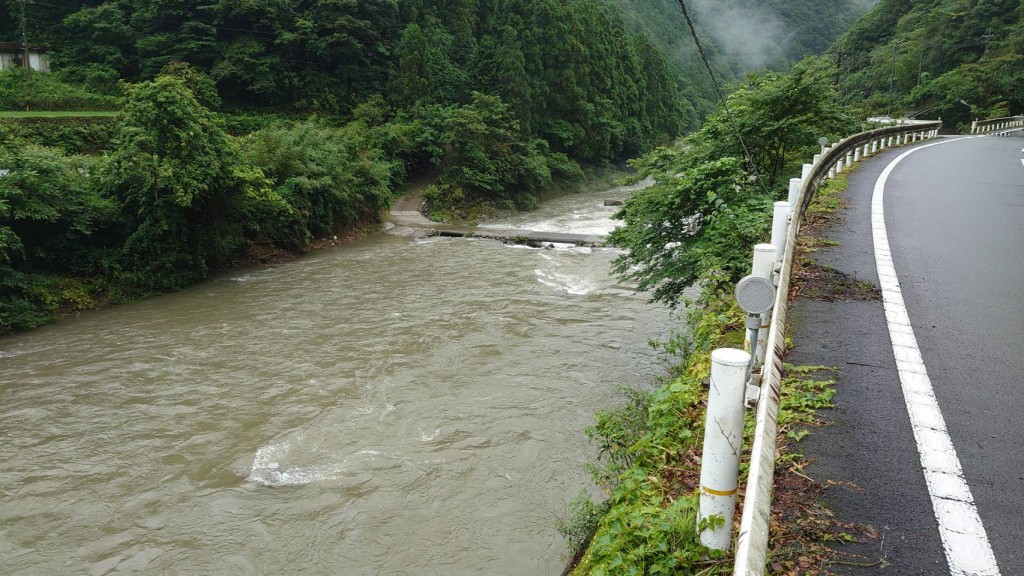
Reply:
x=997, y=125
x=752, y=545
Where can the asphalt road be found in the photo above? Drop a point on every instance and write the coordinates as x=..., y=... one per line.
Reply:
x=954, y=215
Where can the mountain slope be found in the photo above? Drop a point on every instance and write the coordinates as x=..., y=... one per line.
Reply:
x=955, y=59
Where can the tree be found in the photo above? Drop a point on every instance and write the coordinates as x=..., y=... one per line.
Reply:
x=689, y=222
x=178, y=178
x=97, y=47
x=49, y=210
x=710, y=203
x=780, y=118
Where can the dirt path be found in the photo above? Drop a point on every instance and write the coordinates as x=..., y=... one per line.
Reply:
x=406, y=211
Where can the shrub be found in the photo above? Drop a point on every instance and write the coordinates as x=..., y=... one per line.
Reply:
x=323, y=179
x=48, y=92
x=72, y=135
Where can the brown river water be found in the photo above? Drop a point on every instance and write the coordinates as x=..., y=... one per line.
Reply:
x=386, y=407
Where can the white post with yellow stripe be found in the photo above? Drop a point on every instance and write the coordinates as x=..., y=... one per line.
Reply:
x=723, y=445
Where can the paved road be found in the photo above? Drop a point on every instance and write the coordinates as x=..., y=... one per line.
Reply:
x=954, y=215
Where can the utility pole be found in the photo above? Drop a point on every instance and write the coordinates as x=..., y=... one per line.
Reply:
x=892, y=76
x=920, y=65
x=24, y=60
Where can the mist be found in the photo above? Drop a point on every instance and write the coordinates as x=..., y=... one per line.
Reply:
x=750, y=34
x=749, y=37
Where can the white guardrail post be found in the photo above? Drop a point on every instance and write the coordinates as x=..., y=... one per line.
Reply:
x=794, y=189
x=764, y=267
x=997, y=126
x=780, y=226
x=723, y=445
x=718, y=492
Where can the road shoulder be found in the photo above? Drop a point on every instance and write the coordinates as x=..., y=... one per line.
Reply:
x=867, y=457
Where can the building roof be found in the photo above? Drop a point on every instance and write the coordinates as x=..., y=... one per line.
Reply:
x=17, y=46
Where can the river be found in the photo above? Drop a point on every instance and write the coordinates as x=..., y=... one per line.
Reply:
x=386, y=407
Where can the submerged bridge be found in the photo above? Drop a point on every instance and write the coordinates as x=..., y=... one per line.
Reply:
x=412, y=223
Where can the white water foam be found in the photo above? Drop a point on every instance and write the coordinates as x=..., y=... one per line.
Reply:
x=568, y=283
x=270, y=468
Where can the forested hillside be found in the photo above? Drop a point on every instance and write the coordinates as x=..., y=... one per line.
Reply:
x=954, y=59
x=568, y=69
x=505, y=98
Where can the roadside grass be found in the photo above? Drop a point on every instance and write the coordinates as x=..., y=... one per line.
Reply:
x=821, y=282
x=57, y=114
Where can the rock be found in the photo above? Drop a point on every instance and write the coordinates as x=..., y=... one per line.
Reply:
x=613, y=202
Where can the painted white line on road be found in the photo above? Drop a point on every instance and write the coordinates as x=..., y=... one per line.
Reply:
x=1022, y=159
x=968, y=551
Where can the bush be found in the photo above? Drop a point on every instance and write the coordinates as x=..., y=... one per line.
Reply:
x=489, y=166
x=323, y=180
x=93, y=77
x=49, y=209
x=72, y=135
x=31, y=300
x=584, y=517
x=48, y=92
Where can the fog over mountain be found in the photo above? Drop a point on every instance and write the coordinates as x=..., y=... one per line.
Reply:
x=753, y=34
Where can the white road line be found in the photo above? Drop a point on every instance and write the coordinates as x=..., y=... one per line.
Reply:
x=968, y=551
x=1022, y=159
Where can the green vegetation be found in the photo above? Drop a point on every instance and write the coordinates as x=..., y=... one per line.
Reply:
x=709, y=204
x=71, y=132
x=697, y=224
x=650, y=446
x=57, y=114
x=505, y=98
x=48, y=92
x=173, y=201
x=954, y=59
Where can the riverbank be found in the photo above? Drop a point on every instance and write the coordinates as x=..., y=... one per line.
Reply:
x=60, y=296
x=651, y=450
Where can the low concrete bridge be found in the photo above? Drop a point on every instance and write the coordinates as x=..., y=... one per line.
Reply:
x=412, y=223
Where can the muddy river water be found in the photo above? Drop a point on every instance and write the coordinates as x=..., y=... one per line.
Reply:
x=386, y=407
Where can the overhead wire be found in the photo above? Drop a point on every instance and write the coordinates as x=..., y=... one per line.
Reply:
x=718, y=90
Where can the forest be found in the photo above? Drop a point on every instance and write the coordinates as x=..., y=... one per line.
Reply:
x=743, y=36
x=247, y=128
x=952, y=59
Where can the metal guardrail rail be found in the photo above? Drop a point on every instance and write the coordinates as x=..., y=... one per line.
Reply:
x=752, y=544
x=997, y=125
